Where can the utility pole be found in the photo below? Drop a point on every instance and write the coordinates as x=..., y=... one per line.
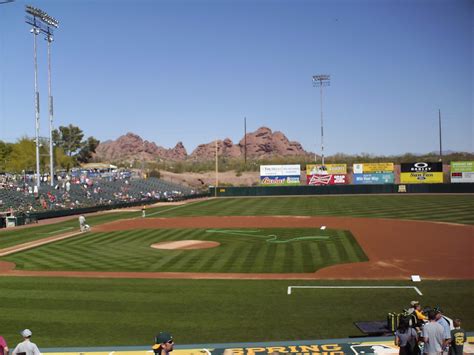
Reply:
x=440, y=145
x=321, y=80
x=217, y=171
x=245, y=140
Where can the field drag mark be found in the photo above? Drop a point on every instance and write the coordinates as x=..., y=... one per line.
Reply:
x=271, y=238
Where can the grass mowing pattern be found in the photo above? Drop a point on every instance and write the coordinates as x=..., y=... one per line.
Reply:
x=446, y=208
x=251, y=252
x=65, y=312
x=15, y=236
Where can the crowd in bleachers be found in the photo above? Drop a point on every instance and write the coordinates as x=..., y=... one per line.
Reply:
x=83, y=188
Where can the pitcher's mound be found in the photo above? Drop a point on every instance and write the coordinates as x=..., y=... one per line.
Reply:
x=185, y=244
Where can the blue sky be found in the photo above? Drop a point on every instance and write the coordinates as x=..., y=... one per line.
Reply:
x=191, y=70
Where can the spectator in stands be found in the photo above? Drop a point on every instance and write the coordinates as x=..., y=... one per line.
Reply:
x=26, y=346
x=421, y=318
x=406, y=338
x=458, y=338
x=3, y=346
x=433, y=335
x=164, y=343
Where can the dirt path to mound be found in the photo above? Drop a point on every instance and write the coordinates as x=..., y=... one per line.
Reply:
x=396, y=249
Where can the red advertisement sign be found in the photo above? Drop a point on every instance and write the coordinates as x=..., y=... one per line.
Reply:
x=328, y=179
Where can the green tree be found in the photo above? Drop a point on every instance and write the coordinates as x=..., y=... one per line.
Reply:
x=87, y=150
x=5, y=151
x=22, y=156
x=69, y=138
x=62, y=160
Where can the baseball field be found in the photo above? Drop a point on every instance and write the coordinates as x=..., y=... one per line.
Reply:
x=218, y=270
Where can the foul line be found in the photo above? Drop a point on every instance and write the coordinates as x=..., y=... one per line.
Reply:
x=412, y=287
x=173, y=208
x=57, y=231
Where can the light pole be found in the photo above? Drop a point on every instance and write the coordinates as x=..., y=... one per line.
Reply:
x=44, y=23
x=321, y=80
x=35, y=31
x=49, y=39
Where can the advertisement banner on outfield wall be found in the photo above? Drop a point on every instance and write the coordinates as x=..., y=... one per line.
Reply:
x=333, y=179
x=369, y=168
x=317, y=169
x=329, y=174
x=421, y=178
x=462, y=171
x=278, y=175
x=421, y=167
x=421, y=173
x=377, y=178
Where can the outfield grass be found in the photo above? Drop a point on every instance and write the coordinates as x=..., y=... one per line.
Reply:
x=103, y=312
x=276, y=250
x=446, y=208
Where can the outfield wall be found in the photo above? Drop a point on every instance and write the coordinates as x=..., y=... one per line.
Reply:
x=340, y=189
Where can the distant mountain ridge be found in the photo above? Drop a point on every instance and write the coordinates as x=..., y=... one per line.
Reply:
x=263, y=143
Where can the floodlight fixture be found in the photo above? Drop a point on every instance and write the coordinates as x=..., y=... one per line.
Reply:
x=42, y=15
x=321, y=80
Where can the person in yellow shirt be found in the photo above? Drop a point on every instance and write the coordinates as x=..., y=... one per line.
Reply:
x=419, y=313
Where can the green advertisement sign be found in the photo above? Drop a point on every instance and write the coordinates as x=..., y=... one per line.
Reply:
x=462, y=166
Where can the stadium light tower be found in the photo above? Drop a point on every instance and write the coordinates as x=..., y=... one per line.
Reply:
x=35, y=31
x=49, y=39
x=321, y=80
x=44, y=23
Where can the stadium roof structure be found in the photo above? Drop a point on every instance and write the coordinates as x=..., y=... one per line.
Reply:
x=98, y=166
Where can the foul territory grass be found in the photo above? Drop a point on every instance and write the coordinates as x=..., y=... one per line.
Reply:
x=65, y=312
x=10, y=237
x=276, y=250
x=446, y=208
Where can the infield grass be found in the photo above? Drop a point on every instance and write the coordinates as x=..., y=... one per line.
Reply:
x=241, y=250
x=64, y=312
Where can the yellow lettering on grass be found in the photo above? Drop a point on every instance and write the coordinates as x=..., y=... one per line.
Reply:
x=276, y=349
x=309, y=348
x=331, y=347
x=252, y=351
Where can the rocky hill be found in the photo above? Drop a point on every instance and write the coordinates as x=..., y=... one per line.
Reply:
x=132, y=147
x=263, y=143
